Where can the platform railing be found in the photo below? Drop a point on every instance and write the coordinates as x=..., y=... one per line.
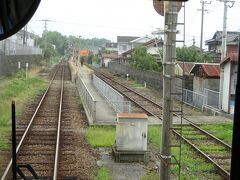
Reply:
x=113, y=96
x=87, y=98
x=93, y=106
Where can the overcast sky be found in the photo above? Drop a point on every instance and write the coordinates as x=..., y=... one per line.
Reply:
x=112, y=18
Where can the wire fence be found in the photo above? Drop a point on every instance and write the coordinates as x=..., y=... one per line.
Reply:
x=212, y=98
x=209, y=98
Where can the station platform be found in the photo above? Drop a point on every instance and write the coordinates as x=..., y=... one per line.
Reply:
x=104, y=114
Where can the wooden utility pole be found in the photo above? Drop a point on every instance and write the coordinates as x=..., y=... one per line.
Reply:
x=169, y=57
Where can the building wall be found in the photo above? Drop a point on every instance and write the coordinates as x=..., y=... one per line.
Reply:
x=9, y=64
x=106, y=61
x=213, y=84
x=198, y=84
x=234, y=78
x=226, y=86
x=178, y=70
x=232, y=48
x=153, y=50
x=123, y=47
x=219, y=48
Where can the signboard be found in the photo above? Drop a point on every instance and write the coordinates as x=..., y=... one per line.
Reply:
x=84, y=52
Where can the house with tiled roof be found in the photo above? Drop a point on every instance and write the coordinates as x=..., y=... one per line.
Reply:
x=206, y=81
x=206, y=75
x=215, y=44
x=228, y=67
x=124, y=43
x=112, y=46
x=127, y=43
x=153, y=46
x=228, y=81
x=183, y=68
x=106, y=58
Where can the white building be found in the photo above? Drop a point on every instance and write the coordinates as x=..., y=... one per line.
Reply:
x=126, y=43
x=20, y=43
x=229, y=80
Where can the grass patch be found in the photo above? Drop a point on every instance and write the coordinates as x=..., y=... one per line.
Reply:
x=102, y=174
x=193, y=167
x=16, y=88
x=101, y=136
x=150, y=176
x=223, y=131
x=154, y=136
x=5, y=138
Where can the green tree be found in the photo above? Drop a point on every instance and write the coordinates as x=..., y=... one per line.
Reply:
x=57, y=39
x=64, y=45
x=190, y=54
x=50, y=51
x=142, y=60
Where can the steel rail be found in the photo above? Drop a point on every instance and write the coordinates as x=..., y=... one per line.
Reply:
x=131, y=90
x=217, y=140
x=28, y=127
x=55, y=172
x=222, y=171
x=206, y=133
x=184, y=118
x=149, y=112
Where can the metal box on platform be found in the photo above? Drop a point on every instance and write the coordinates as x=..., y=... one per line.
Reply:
x=131, y=132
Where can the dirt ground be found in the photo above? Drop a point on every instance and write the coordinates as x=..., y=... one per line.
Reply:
x=86, y=156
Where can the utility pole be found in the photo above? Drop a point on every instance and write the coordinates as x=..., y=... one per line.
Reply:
x=169, y=56
x=203, y=11
x=45, y=30
x=224, y=47
x=224, y=33
x=25, y=35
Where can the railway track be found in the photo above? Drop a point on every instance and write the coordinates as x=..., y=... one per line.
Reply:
x=45, y=141
x=217, y=152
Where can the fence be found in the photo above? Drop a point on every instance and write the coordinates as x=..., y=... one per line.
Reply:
x=153, y=79
x=114, y=97
x=87, y=98
x=210, y=98
x=8, y=47
x=193, y=98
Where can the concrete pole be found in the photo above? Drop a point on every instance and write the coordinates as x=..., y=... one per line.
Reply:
x=223, y=53
x=224, y=33
x=201, y=39
x=169, y=56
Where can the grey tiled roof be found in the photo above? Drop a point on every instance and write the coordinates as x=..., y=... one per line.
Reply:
x=232, y=36
x=126, y=38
